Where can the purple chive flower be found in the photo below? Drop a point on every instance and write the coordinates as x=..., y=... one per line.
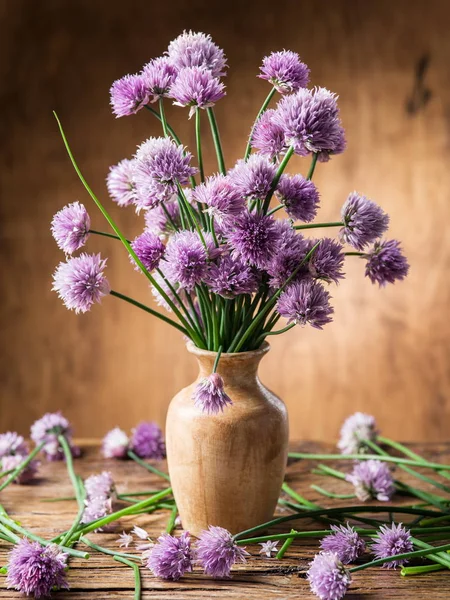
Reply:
x=128, y=95
x=356, y=429
x=292, y=250
x=253, y=179
x=70, y=227
x=186, y=259
x=305, y=302
x=197, y=50
x=386, y=263
x=157, y=221
x=12, y=461
x=209, y=395
x=159, y=74
x=267, y=136
x=141, y=533
x=171, y=557
x=230, y=277
x=345, y=542
x=115, y=444
x=222, y=198
x=327, y=576
x=80, y=282
x=11, y=443
x=310, y=122
x=269, y=548
x=299, y=196
x=327, y=261
x=98, y=485
x=149, y=249
x=35, y=569
x=120, y=183
x=372, y=479
x=285, y=71
x=364, y=221
x=147, y=441
x=196, y=87
x=217, y=552
x=254, y=239
x=395, y=539
x=46, y=429
x=100, y=495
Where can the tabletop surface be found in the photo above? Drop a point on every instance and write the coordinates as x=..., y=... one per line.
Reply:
x=101, y=578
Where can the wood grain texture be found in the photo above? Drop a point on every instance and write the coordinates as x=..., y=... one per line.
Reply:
x=103, y=579
x=387, y=352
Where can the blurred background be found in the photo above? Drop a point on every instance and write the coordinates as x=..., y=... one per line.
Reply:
x=387, y=352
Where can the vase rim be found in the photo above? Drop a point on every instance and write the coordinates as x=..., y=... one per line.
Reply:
x=263, y=349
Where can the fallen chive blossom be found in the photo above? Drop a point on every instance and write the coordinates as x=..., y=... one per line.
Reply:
x=327, y=576
x=392, y=540
x=11, y=462
x=372, y=479
x=147, y=441
x=386, y=263
x=209, y=395
x=268, y=548
x=141, y=533
x=125, y=539
x=11, y=443
x=285, y=71
x=171, y=557
x=356, y=429
x=70, y=227
x=345, y=542
x=217, y=552
x=47, y=429
x=115, y=444
x=100, y=496
x=364, y=221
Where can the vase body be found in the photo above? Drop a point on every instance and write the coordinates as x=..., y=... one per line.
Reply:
x=227, y=469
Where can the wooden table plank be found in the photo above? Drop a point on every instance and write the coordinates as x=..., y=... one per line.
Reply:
x=102, y=578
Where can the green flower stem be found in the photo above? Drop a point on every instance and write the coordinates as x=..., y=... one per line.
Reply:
x=263, y=336
x=216, y=139
x=440, y=557
x=9, y=535
x=393, y=459
x=355, y=254
x=22, y=466
x=420, y=570
x=319, y=225
x=276, y=209
x=5, y=473
x=191, y=213
x=137, y=575
x=137, y=494
x=169, y=128
x=331, y=494
x=216, y=361
x=287, y=543
x=147, y=466
x=169, y=218
x=262, y=110
x=415, y=554
x=61, y=499
x=312, y=168
x=300, y=499
x=276, y=179
x=105, y=234
x=79, y=494
x=198, y=140
x=434, y=521
x=171, y=523
x=66, y=539
x=88, y=542
x=163, y=117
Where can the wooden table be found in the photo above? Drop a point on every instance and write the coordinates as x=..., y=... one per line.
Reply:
x=101, y=578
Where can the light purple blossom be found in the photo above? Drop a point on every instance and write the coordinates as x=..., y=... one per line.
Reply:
x=196, y=87
x=209, y=395
x=372, y=479
x=115, y=444
x=125, y=539
x=157, y=221
x=327, y=576
x=171, y=557
x=100, y=495
x=128, y=95
x=327, y=261
x=356, y=429
x=11, y=443
x=159, y=74
x=221, y=196
x=254, y=238
x=291, y=252
x=285, y=71
x=269, y=548
x=70, y=227
x=120, y=183
x=299, y=196
x=345, y=542
x=141, y=533
x=392, y=540
x=217, y=552
x=267, y=136
x=386, y=263
x=12, y=461
x=197, y=50
x=253, y=179
x=186, y=259
x=35, y=569
x=310, y=122
x=147, y=441
x=80, y=282
x=46, y=429
x=305, y=302
x=101, y=484
x=364, y=221
x=149, y=249
x=230, y=277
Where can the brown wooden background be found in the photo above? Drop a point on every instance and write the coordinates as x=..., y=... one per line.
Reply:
x=387, y=351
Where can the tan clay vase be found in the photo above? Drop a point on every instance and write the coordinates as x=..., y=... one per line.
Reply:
x=227, y=469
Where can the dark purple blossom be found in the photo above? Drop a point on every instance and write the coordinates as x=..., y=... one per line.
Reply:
x=35, y=569
x=11, y=443
x=310, y=122
x=157, y=219
x=291, y=252
x=299, y=196
x=197, y=50
x=120, y=183
x=254, y=238
x=356, y=429
x=345, y=542
x=305, y=302
x=128, y=95
x=70, y=227
x=221, y=196
x=149, y=249
x=392, y=540
x=115, y=444
x=285, y=71
x=217, y=552
x=171, y=557
x=12, y=461
x=327, y=576
x=147, y=441
x=46, y=429
x=267, y=136
x=196, y=87
x=372, y=479
x=327, y=261
x=364, y=221
x=230, y=277
x=209, y=395
x=386, y=263
x=186, y=259
x=159, y=74
x=253, y=179
x=80, y=282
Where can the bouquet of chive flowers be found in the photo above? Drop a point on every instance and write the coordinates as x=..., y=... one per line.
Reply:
x=217, y=255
